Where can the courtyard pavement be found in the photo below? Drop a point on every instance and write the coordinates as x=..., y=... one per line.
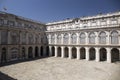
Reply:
x=61, y=69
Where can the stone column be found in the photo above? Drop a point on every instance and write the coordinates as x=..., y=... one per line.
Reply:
x=70, y=52
x=108, y=55
x=20, y=33
x=27, y=38
x=108, y=39
x=55, y=39
x=97, y=55
x=87, y=53
x=34, y=38
x=96, y=38
x=49, y=39
x=56, y=51
x=69, y=42
x=62, y=38
x=9, y=38
x=78, y=53
x=77, y=38
x=50, y=50
x=87, y=38
x=62, y=48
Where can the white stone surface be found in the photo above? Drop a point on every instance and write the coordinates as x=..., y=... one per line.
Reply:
x=63, y=69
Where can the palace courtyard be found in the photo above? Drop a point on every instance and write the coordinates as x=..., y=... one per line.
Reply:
x=61, y=69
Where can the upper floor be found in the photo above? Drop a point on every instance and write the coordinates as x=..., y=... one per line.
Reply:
x=98, y=21
x=11, y=21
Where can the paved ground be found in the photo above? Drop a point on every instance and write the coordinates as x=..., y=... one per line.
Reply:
x=62, y=69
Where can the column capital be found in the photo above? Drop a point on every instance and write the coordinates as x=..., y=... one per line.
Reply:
x=78, y=47
x=62, y=46
x=69, y=47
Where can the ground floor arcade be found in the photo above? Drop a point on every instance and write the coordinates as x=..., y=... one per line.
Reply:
x=13, y=53
x=89, y=53
x=72, y=52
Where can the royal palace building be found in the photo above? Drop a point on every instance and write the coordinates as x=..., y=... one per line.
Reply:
x=91, y=38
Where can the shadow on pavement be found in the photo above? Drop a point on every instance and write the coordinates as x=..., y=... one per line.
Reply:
x=20, y=61
x=5, y=77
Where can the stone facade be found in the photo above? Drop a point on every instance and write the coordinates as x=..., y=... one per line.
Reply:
x=21, y=38
x=91, y=38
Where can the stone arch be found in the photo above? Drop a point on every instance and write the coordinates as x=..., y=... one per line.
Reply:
x=53, y=51
x=73, y=38
x=82, y=38
x=66, y=52
x=36, y=51
x=23, y=52
x=92, y=38
x=66, y=38
x=30, y=52
x=41, y=51
x=115, y=55
x=74, y=52
x=47, y=51
x=14, y=38
x=102, y=37
x=103, y=54
x=82, y=53
x=92, y=53
x=3, y=55
x=59, y=51
x=114, y=37
x=14, y=53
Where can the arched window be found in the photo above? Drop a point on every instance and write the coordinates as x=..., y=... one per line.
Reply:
x=92, y=38
x=59, y=39
x=114, y=37
x=82, y=38
x=53, y=39
x=73, y=38
x=102, y=38
x=14, y=53
x=14, y=38
x=66, y=38
x=4, y=37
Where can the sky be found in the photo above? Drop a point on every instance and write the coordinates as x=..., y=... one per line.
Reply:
x=56, y=10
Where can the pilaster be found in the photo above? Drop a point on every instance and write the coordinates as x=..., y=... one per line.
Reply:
x=97, y=55
x=78, y=53
x=50, y=50
x=56, y=51
x=70, y=52
x=108, y=55
x=63, y=55
x=87, y=53
x=77, y=38
x=69, y=42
